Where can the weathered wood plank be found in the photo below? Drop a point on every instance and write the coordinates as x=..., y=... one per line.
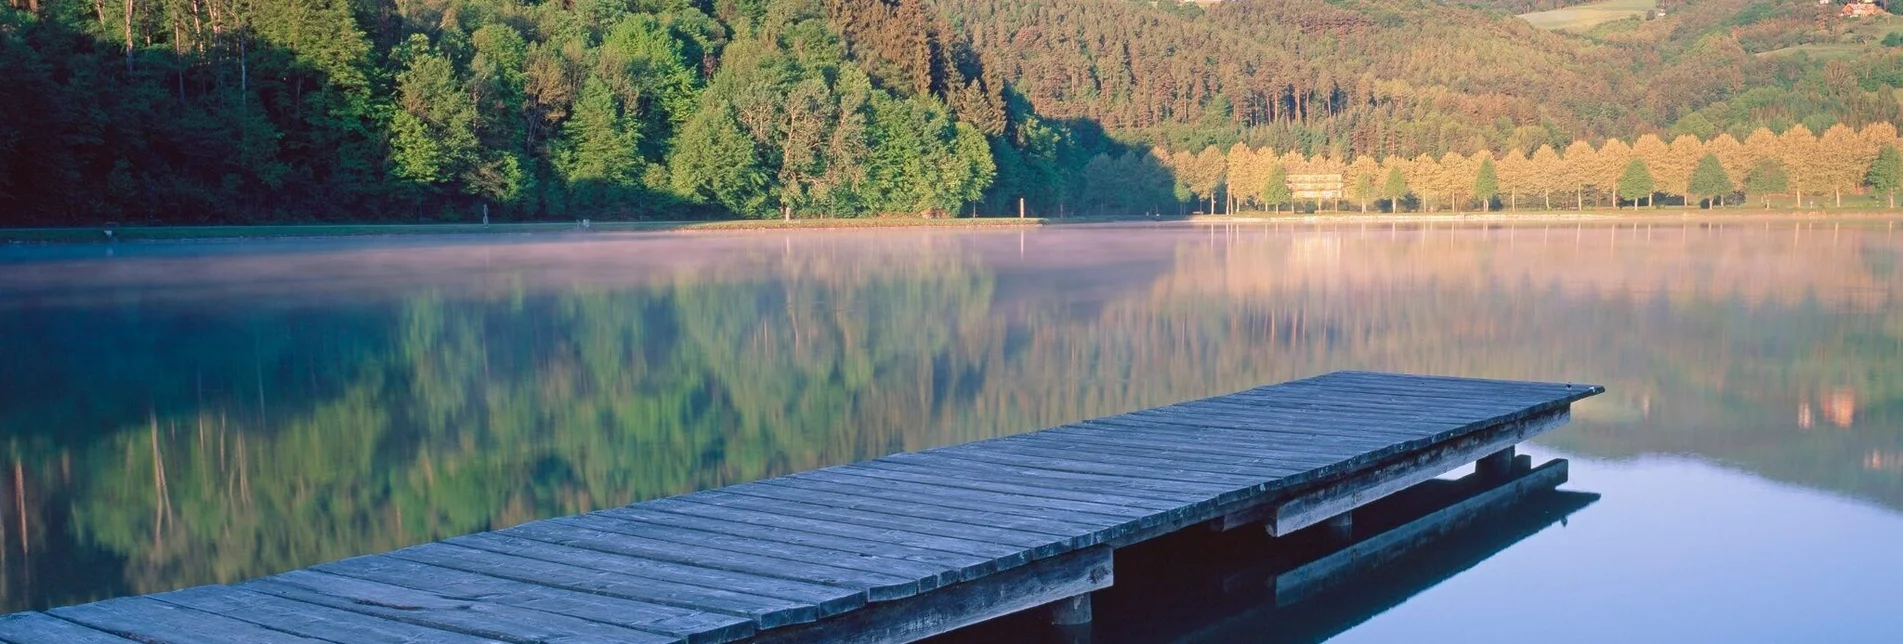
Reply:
x=791, y=489
x=913, y=492
x=481, y=619
x=889, y=467
x=1039, y=545
x=696, y=627
x=310, y=620
x=833, y=550
x=149, y=620
x=627, y=579
x=1018, y=589
x=1243, y=470
x=1003, y=555
x=41, y=628
x=761, y=571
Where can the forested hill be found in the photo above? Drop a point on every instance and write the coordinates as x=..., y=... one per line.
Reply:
x=187, y=111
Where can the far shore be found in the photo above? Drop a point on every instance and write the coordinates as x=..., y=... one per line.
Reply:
x=68, y=235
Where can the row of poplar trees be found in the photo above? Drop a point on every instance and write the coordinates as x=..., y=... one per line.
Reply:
x=1718, y=171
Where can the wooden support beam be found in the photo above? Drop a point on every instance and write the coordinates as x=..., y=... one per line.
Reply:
x=1038, y=583
x=1341, y=527
x=1071, y=611
x=1388, y=546
x=1496, y=466
x=1331, y=498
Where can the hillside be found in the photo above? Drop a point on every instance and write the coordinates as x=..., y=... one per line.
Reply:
x=461, y=110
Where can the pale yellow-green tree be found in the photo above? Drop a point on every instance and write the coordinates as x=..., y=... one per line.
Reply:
x=1423, y=175
x=1203, y=173
x=1608, y=165
x=1363, y=180
x=1653, y=151
x=1731, y=154
x=1457, y=177
x=1843, y=158
x=1674, y=171
x=1797, y=148
x=1578, y=169
x=1548, y=172
x=1245, y=180
x=1516, y=176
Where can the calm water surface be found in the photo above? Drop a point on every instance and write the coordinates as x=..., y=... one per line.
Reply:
x=180, y=414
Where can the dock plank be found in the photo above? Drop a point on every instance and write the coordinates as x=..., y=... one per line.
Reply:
x=824, y=549
x=149, y=620
x=763, y=571
x=693, y=626
x=41, y=628
x=480, y=619
x=629, y=580
x=311, y=620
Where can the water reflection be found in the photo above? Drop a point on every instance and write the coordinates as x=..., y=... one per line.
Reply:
x=191, y=413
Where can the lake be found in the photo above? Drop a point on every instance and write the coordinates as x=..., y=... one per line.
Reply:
x=188, y=413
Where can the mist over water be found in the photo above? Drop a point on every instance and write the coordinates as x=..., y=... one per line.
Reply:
x=180, y=414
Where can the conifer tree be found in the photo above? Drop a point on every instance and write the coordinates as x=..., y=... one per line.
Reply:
x=1886, y=173
x=1635, y=182
x=1395, y=187
x=1486, y=183
x=1766, y=178
x=1275, y=191
x=1709, y=180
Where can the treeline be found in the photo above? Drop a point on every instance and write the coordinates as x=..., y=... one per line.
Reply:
x=367, y=110
x=1716, y=172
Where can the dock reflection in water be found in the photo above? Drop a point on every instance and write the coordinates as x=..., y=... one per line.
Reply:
x=1243, y=586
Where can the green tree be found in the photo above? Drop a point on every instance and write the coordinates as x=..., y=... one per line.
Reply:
x=716, y=162
x=1276, y=192
x=598, y=154
x=1886, y=173
x=1486, y=184
x=1636, y=182
x=1394, y=189
x=434, y=140
x=1710, y=180
x=1766, y=178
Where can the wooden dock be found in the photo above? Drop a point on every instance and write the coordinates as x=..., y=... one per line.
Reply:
x=888, y=550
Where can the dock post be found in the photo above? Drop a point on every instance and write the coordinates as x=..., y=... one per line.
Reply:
x=1071, y=611
x=1341, y=527
x=1496, y=466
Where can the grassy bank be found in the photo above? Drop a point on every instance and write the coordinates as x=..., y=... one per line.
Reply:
x=1590, y=215
x=177, y=233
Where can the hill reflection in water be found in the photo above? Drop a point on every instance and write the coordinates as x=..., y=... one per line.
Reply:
x=179, y=414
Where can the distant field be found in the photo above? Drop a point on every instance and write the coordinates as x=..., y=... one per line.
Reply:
x=1818, y=52
x=1587, y=16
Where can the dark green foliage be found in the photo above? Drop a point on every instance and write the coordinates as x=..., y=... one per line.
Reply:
x=1276, y=193
x=1886, y=174
x=1394, y=189
x=1766, y=178
x=1636, y=182
x=300, y=110
x=1709, y=178
x=1486, y=183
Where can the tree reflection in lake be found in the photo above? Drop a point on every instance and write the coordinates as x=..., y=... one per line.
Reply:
x=181, y=414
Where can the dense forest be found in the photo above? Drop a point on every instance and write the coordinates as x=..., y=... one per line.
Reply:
x=202, y=111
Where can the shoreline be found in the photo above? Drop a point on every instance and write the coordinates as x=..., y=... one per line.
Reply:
x=241, y=232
